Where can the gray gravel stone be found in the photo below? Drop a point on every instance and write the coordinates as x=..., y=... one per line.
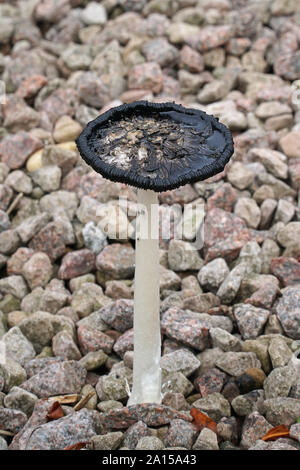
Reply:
x=17, y=345
x=19, y=399
x=236, y=363
x=214, y=405
x=57, y=379
x=66, y=431
x=181, y=360
x=250, y=320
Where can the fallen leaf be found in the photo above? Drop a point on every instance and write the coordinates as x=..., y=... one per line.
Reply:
x=55, y=411
x=77, y=446
x=202, y=421
x=276, y=433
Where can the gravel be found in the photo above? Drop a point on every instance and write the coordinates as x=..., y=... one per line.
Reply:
x=230, y=313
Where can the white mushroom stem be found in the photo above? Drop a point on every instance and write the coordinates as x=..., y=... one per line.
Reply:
x=147, y=341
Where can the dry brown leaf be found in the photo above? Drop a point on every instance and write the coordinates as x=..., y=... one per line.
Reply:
x=77, y=446
x=55, y=411
x=202, y=421
x=276, y=433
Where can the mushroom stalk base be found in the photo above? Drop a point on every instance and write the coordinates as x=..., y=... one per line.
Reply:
x=147, y=340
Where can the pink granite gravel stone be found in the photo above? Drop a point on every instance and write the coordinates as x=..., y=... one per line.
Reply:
x=186, y=327
x=124, y=343
x=117, y=261
x=118, y=315
x=76, y=263
x=191, y=59
x=15, y=149
x=12, y=420
x=210, y=382
x=150, y=414
x=286, y=269
x=58, y=378
x=146, y=76
x=49, y=240
x=92, y=340
x=224, y=198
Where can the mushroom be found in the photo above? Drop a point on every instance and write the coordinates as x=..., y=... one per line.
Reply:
x=154, y=147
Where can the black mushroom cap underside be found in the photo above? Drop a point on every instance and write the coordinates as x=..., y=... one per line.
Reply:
x=158, y=146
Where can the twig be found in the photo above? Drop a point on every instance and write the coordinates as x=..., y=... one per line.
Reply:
x=14, y=203
x=83, y=401
x=65, y=399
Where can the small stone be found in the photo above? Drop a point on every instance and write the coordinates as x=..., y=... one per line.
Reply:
x=214, y=405
x=31, y=225
x=207, y=440
x=12, y=420
x=250, y=320
x=14, y=285
x=182, y=256
x=94, y=14
x=66, y=129
x=59, y=378
x=181, y=360
x=159, y=50
x=281, y=410
x=146, y=76
x=76, y=263
x=48, y=177
x=37, y=270
x=213, y=274
x=15, y=149
x=211, y=381
x=280, y=353
x=224, y=340
x=110, y=441
x=236, y=363
x=287, y=311
x=180, y=434
x=271, y=108
x=49, y=240
x=63, y=345
x=248, y=210
x=290, y=144
x=286, y=269
x=117, y=260
x=295, y=431
x=93, y=360
x=19, y=399
x=17, y=346
x=94, y=238
x=223, y=198
x=279, y=382
x=64, y=432
x=93, y=340
x=214, y=91
x=273, y=161
x=191, y=59
x=59, y=156
x=149, y=443
x=135, y=433
x=255, y=427
x=246, y=404
x=119, y=315
x=231, y=284
x=9, y=241
x=195, y=331
x=20, y=182
x=151, y=414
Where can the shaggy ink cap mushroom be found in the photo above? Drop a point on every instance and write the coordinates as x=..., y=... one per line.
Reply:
x=157, y=146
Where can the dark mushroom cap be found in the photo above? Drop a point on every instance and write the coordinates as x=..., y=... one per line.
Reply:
x=158, y=146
